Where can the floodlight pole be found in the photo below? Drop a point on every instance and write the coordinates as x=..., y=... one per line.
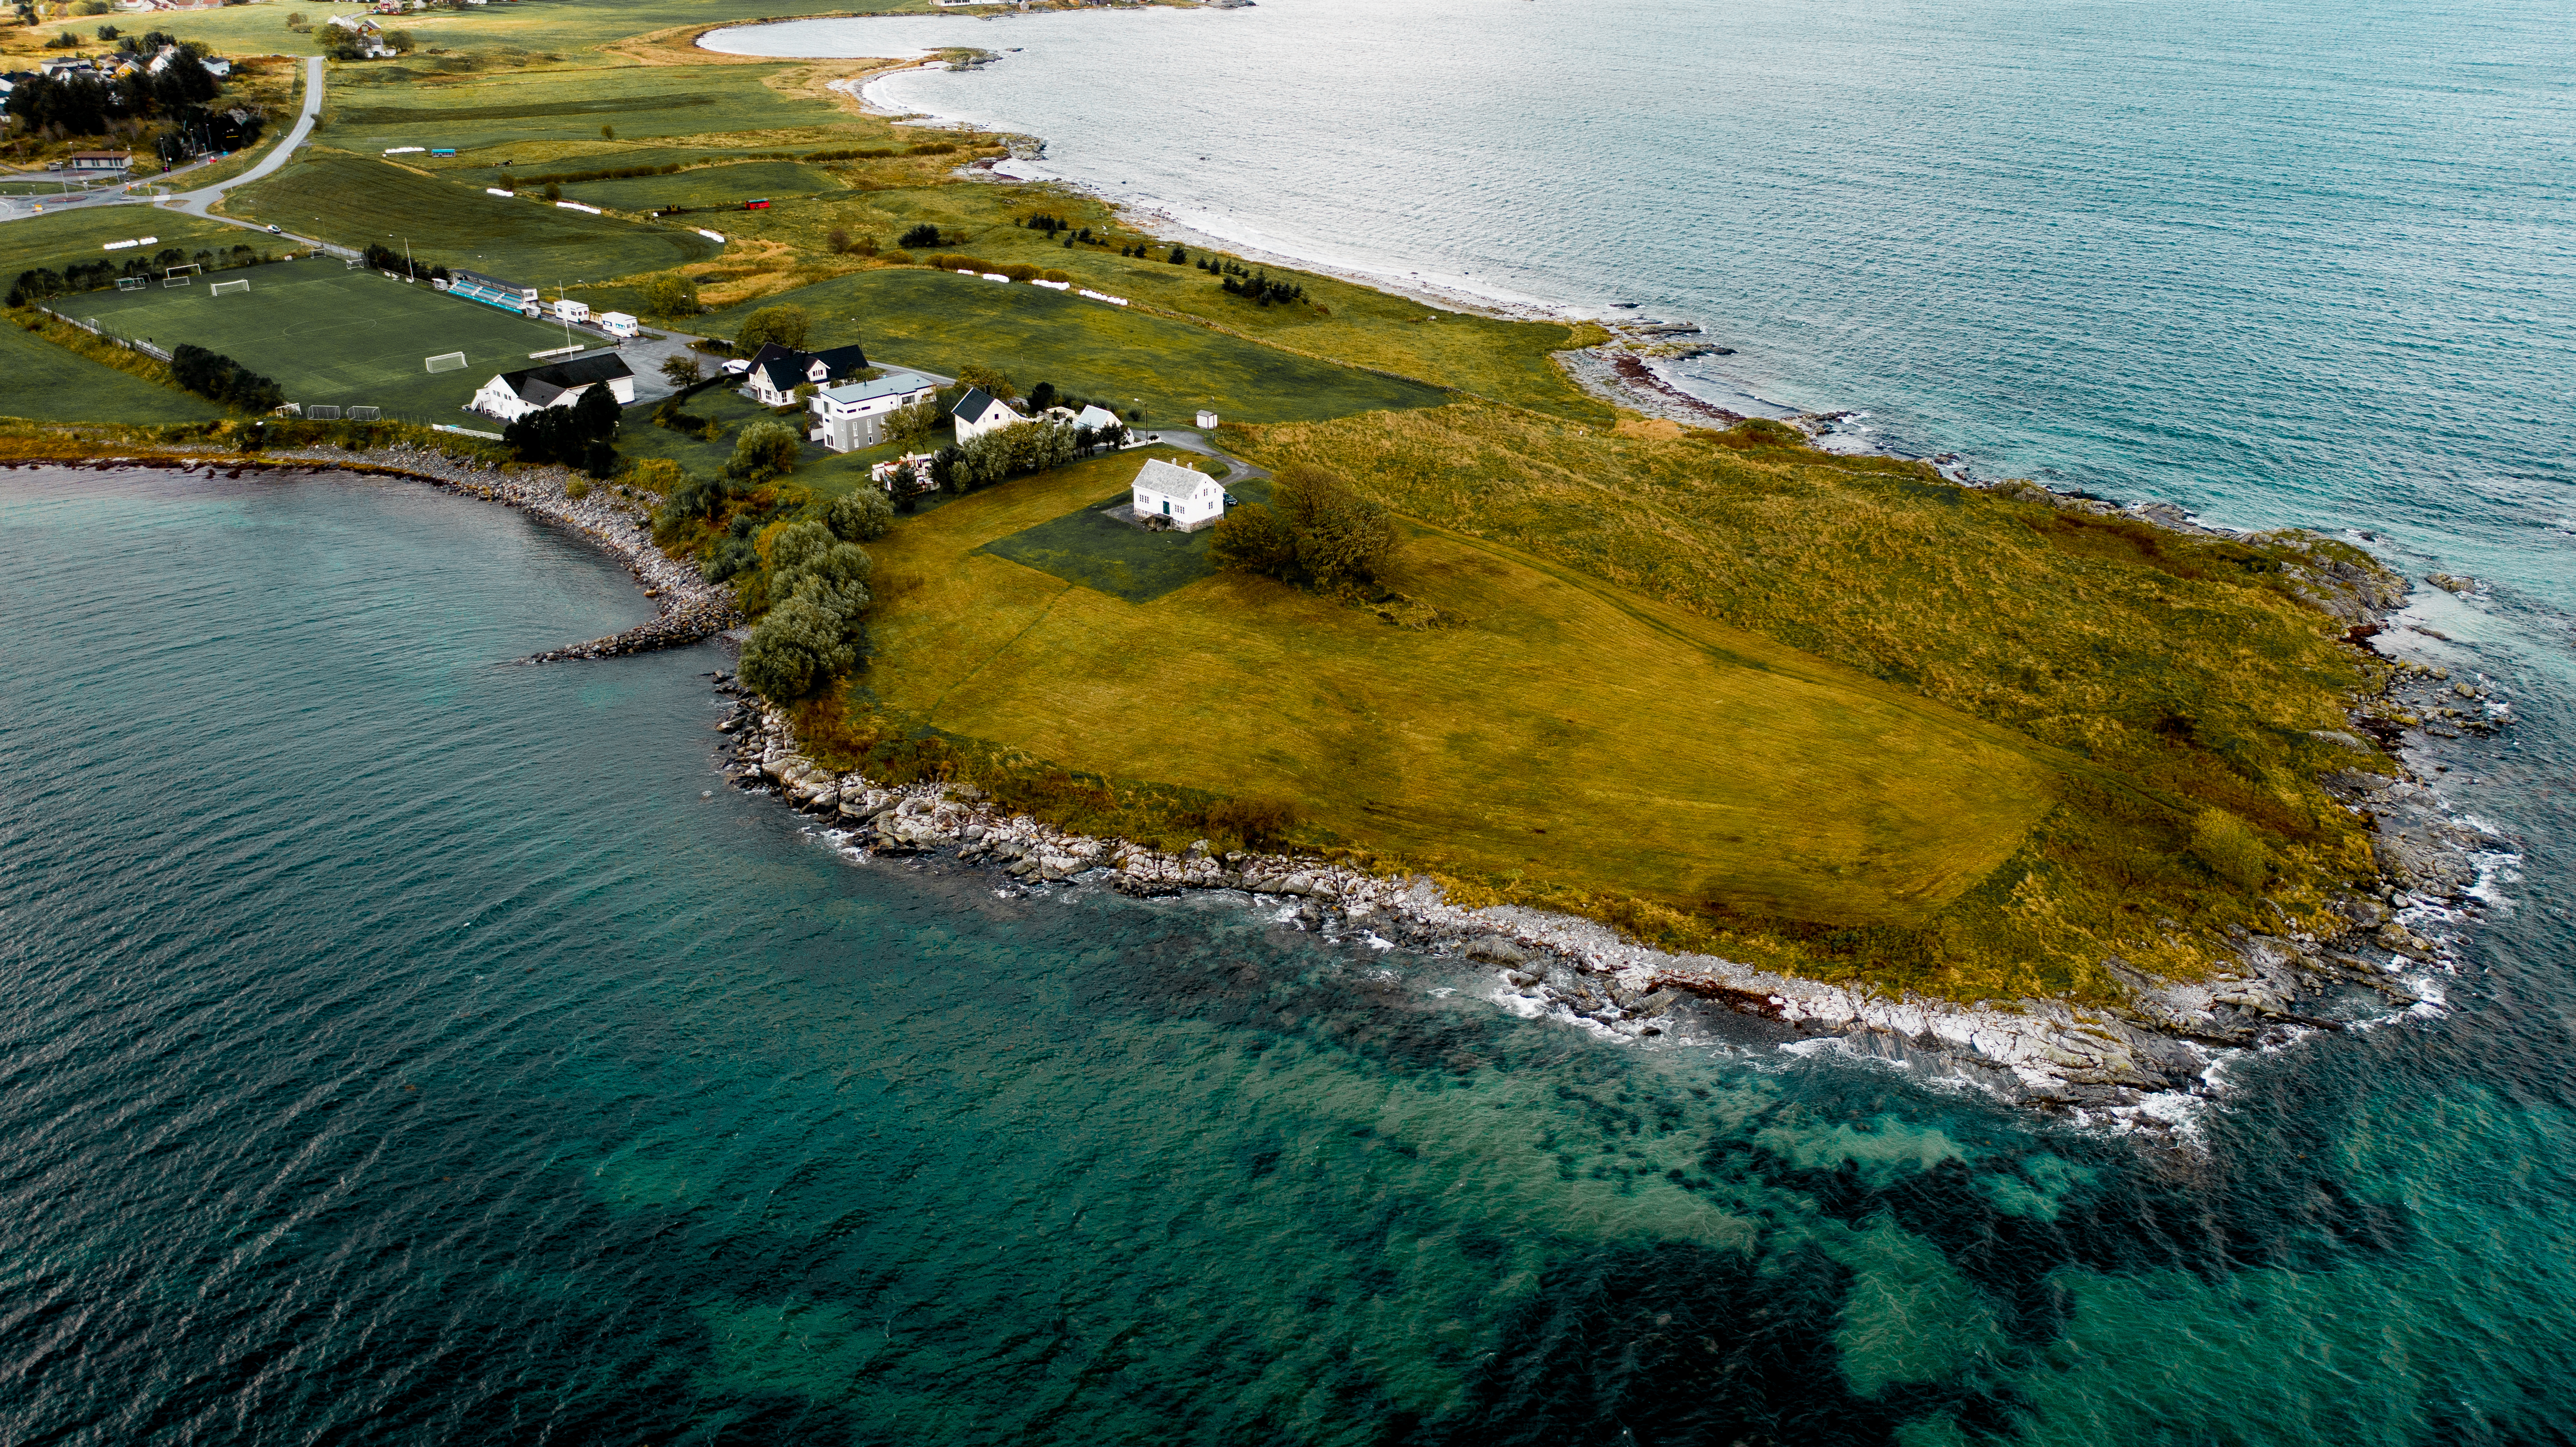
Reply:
x=408, y=266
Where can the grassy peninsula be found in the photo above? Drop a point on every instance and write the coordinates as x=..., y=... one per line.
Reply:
x=1836, y=716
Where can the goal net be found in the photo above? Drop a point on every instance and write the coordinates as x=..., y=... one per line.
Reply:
x=365, y=414
x=221, y=287
x=445, y=362
x=320, y=413
x=132, y=283
x=179, y=275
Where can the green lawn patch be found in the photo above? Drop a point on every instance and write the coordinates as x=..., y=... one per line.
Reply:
x=706, y=186
x=354, y=200
x=59, y=238
x=941, y=321
x=334, y=335
x=44, y=383
x=553, y=103
x=1090, y=548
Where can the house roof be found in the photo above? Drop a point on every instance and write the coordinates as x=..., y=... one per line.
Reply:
x=973, y=405
x=542, y=385
x=100, y=156
x=1095, y=417
x=786, y=368
x=892, y=384
x=1165, y=479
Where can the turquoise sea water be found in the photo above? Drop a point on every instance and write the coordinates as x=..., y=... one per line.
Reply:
x=401, y=1047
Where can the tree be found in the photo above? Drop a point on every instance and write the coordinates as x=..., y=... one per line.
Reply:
x=400, y=42
x=295, y=21
x=1253, y=539
x=859, y=516
x=608, y=133
x=1178, y=257
x=554, y=192
x=990, y=379
x=764, y=450
x=1342, y=537
x=838, y=241
x=795, y=649
x=671, y=295
x=1041, y=397
x=786, y=325
x=681, y=369
x=905, y=426
x=920, y=236
x=216, y=376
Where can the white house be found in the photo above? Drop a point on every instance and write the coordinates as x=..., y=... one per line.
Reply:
x=514, y=395
x=979, y=412
x=853, y=415
x=1192, y=500
x=1096, y=417
x=111, y=162
x=776, y=372
x=617, y=324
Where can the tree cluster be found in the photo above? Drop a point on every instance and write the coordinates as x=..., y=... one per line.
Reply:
x=1001, y=454
x=581, y=435
x=385, y=258
x=1239, y=280
x=86, y=105
x=1048, y=224
x=671, y=295
x=787, y=325
x=216, y=376
x=919, y=236
x=818, y=575
x=1317, y=532
x=764, y=450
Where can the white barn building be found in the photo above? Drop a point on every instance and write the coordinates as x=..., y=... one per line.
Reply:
x=853, y=415
x=514, y=395
x=1192, y=500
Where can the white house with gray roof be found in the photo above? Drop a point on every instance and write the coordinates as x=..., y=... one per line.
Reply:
x=853, y=415
x=1192, y=500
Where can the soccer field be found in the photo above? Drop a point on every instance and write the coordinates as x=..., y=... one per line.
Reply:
x=333, y=335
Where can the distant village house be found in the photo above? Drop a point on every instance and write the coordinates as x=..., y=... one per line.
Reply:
x=1192, y=500
x=979, y=412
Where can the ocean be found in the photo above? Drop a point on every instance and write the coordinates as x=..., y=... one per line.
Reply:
x=402, y=1046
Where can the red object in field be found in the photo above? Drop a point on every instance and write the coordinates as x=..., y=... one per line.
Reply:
x=755, y=205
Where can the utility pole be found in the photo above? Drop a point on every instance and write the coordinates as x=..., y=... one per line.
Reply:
x=408, y=267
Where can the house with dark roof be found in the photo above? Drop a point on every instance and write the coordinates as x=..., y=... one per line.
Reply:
x=514, y=395
x=979, y=412
x=776, y=372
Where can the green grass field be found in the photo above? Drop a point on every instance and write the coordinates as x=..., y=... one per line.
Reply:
x=1091, y=549
x=59, y=238
x=941, y=321
x=708, y=186
x=354, y=200
x=1565, y=727
x=45, y=383
x=540, y=103
x=333, y=335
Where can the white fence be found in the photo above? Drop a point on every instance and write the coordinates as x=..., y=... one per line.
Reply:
x=91, y=326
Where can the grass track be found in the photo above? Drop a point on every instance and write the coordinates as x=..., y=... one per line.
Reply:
x=1567, y=728
x=45, y=383
x=354, y=200
x=329, y=334
x=942, y=321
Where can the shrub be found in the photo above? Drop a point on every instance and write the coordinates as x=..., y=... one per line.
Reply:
x=837, y=241
x=860, y=516
x=905, y=426
x=553, y=191
x=2221, y=841
x=1253, y=539
x=786, y=325
x=681, y=370
x=577, y=489
x=795, y=650
x=657, y=475
x=920, y=236
x=1254, y=821
x=764, y=450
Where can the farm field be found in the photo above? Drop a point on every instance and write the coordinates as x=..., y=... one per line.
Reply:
x=57, y=239
x=1563, y=727
x=333, y=335
x=707, y=186
x=354, y=200
x=45, y=383
x=541, y=103
x=944, y=321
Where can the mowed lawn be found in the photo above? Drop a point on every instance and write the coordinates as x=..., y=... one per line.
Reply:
x=44, y=383
x=60, y=238
x=1564, y=731
x=539, y=103
x=334, y=335
x=943, y=321
x=354, y=200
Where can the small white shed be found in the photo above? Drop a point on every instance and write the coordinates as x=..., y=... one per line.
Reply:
x=1192, y=500
x=1207, y=419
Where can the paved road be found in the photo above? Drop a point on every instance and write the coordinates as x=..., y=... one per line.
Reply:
x=198, y=202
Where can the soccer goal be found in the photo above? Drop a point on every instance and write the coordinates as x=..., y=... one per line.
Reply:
x=180, y=275
x=133, y=283
x=365, y=414
x=445, y=362
x=221, y=287
x=318, y=412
